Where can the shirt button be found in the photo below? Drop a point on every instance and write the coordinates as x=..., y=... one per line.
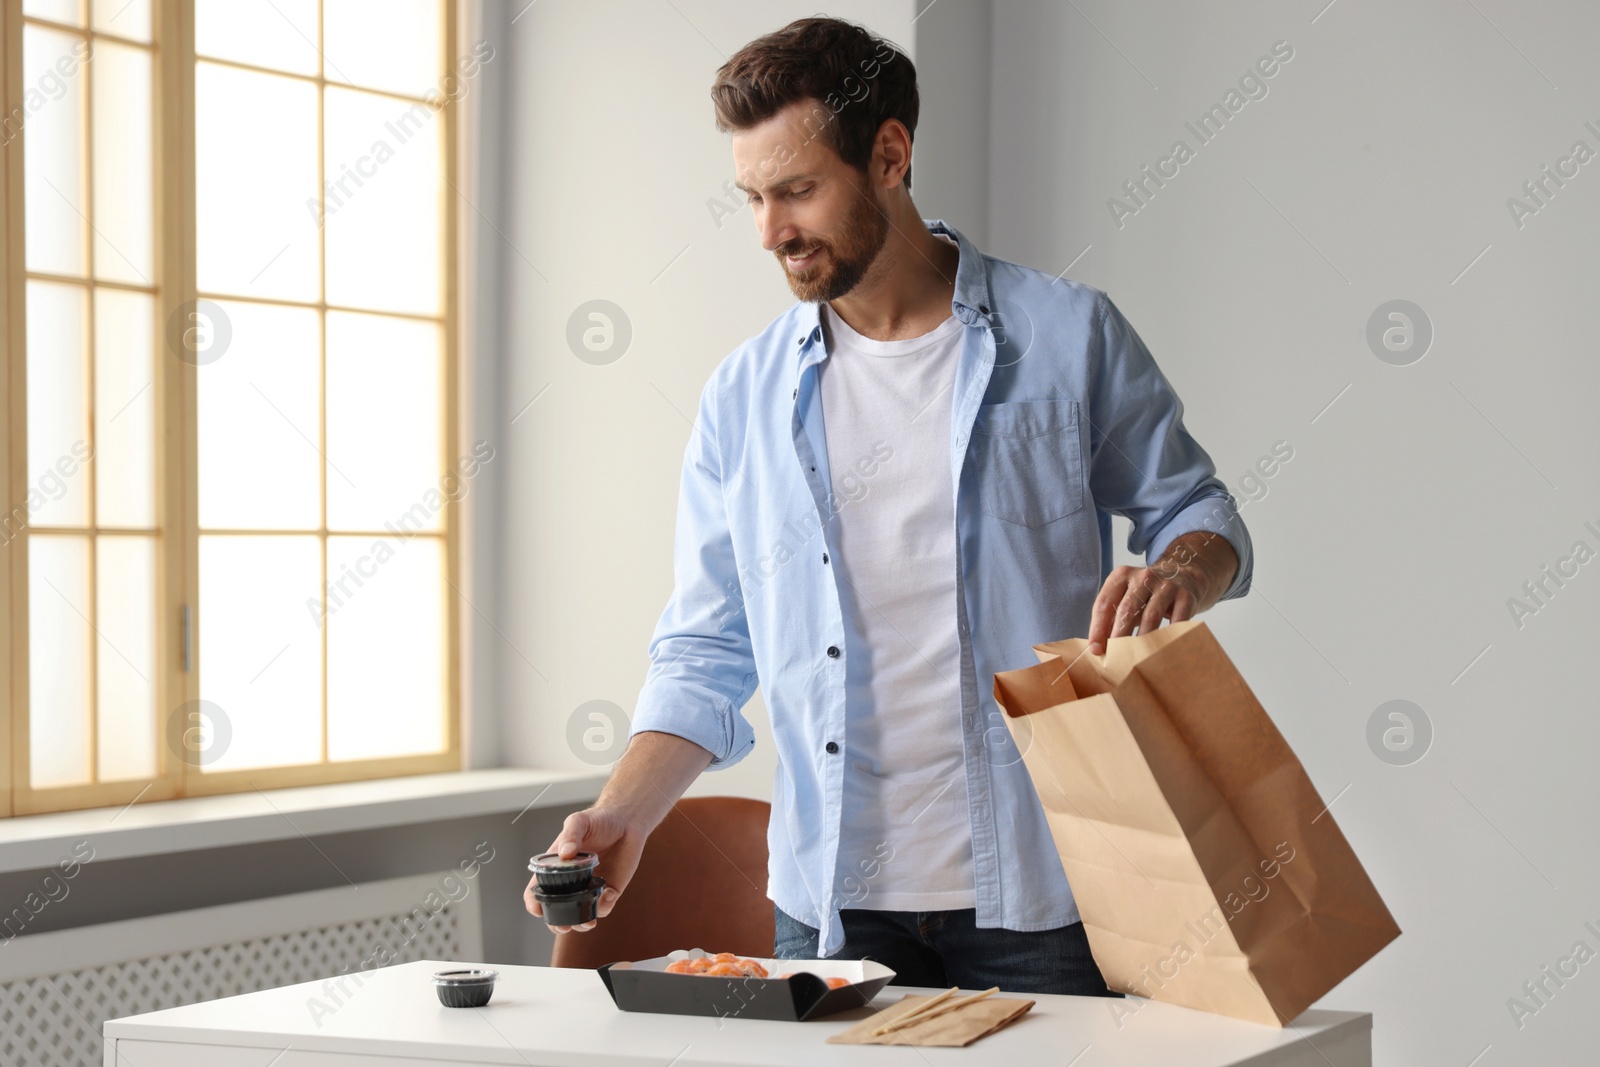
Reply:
x=833, y=651
x=831, y=747
x=824, y=557
x=984, y=308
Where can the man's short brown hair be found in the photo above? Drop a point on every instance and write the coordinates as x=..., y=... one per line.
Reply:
x=856, y=79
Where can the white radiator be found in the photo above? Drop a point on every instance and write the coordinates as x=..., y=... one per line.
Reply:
x=56, y=989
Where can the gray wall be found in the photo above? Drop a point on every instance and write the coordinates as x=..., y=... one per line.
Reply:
x=487, y=284
x=1376, y=168
x=950, y=46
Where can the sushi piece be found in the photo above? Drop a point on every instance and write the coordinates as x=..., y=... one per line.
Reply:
x=833, y=983
x=722, y=965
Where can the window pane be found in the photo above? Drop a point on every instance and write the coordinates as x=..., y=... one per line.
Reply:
x=53, y=170
x=382, y=202
x=125, y=588
x=123, y=175
x=58, y=660
x=386, y=692
x=124, y=409
x=255, y=174
x=261, y=648
x=58, y=406
x=68, y=11
x=280, y=34
x=384, y=437
x=383, y=44
x=125, y=18
x=258, y=414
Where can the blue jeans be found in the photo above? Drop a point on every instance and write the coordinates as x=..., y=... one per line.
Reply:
x=946, y=948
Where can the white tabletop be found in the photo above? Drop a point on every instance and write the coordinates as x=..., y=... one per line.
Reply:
x=565, y=1018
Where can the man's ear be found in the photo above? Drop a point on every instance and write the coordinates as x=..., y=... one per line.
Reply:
x=891, y=154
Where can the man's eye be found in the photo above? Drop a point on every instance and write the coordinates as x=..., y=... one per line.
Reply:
x=801, y=194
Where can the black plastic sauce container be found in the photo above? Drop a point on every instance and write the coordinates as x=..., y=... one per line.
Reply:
x=465, y=987
x=568, y=890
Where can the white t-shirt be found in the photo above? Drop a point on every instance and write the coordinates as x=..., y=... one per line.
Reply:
x=906, y=842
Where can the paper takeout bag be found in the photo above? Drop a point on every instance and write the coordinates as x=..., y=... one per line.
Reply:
x=1207, y=869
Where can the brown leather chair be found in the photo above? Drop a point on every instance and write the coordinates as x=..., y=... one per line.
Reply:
x=701, y=883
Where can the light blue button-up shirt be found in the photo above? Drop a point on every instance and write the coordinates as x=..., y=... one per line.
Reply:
x=1059, y=419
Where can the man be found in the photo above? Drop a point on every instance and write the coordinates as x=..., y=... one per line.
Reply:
x=891, y=493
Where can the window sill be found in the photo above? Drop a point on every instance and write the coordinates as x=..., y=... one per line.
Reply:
x=32, y=842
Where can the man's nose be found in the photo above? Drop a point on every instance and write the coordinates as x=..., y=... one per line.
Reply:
x=775, y=228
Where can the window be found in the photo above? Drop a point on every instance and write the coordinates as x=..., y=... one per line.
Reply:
x=229, y=546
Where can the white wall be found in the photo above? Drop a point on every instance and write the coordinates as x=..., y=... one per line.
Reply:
x=1381, y=160
x=613, y=158
x=1376, y=168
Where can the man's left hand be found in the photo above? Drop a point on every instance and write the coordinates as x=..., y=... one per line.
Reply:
x=1191, y=575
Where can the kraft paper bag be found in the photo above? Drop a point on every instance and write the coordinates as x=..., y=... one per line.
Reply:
x=1207, y=868
x=953, y=1029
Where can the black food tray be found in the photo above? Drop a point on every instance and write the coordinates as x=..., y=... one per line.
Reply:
x=646, y=986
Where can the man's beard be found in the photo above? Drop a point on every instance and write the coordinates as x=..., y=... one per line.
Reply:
x=844, y=262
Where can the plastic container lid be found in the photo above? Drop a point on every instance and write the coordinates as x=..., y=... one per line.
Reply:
x=465, y=976
x=553, y=863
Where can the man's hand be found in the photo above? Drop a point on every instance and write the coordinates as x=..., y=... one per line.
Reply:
x=605, y=832
x=1191, y=575
x=654, y=771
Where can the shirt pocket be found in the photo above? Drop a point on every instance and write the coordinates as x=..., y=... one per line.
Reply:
x=1027, y=461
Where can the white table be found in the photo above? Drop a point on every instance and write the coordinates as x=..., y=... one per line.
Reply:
x=552, y=1017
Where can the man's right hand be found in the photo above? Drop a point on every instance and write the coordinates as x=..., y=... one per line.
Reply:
x=654, y=771
x=610, y=835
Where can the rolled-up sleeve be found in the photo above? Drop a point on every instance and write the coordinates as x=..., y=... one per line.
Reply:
x=702, y=667
x=1143, y=463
